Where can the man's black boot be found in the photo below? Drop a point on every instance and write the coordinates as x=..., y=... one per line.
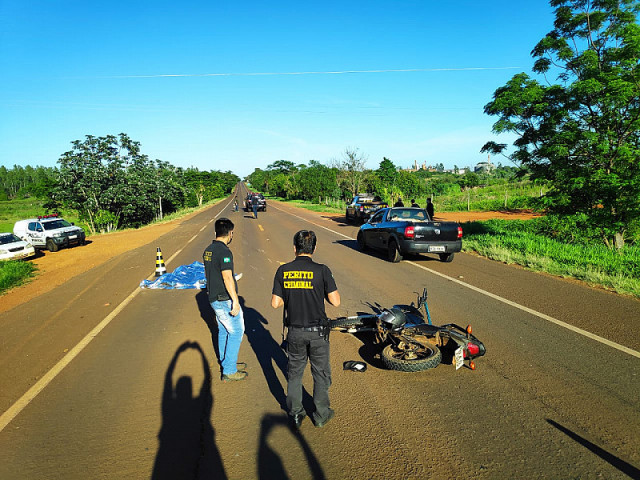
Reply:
x=296, y=420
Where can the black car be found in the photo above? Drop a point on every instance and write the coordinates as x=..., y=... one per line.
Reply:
x=400, y=231
x=262, y=202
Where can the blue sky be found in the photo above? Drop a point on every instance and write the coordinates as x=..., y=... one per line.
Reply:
x=74, y=68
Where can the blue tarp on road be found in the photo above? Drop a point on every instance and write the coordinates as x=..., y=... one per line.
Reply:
x=185, y=276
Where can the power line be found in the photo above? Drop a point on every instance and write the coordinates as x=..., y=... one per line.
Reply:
x=337, y=72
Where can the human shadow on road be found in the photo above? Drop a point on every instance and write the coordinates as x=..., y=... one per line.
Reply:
x=381, y=254
x=209, y=317
x=187, y=440
x=267, y=351
x=270, y=464
x=612, y=460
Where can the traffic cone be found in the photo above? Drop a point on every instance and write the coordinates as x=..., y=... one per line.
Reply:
x=160, y=268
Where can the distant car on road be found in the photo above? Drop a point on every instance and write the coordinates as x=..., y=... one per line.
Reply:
x=403, y=230
x=262, y=202
x=362, y=207
x=50, y=232
x=13, y=248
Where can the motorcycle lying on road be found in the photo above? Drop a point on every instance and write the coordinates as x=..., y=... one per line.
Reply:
x=410, y=344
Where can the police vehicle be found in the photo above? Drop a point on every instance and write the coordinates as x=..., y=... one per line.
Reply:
x=50, y=232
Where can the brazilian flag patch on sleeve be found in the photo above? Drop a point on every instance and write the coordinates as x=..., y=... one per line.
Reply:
x=226, y=259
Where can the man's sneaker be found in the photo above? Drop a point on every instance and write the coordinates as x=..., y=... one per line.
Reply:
x=234, y=377
x=322, y=423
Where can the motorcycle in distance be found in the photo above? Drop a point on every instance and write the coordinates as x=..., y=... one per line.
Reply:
x=410, y=344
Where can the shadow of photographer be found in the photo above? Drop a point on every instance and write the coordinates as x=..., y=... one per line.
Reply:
x=270, y=465
x=187, y=440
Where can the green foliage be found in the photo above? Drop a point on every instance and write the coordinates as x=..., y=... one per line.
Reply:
x=538, y=244
x=387, y=171
x=583, y=134
x=25, y=182
x=112, y=184
x=14, y=273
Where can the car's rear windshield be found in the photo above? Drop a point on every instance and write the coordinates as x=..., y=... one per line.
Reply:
x=60, y=223
x=412, y=214
x=8, y=238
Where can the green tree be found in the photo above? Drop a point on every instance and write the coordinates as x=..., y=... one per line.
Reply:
x=110, y=182
x=317, y=180
x=582, y=133
x=387, y=171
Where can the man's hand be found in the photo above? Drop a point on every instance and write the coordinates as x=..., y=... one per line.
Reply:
x=235, y=308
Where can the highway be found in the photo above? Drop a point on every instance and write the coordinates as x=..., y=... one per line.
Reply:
x=100, y=379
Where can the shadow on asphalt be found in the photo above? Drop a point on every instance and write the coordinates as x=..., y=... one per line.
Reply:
x=612, y=460
x=270, y=465
x=209, y=317
x=353, y=245
x=267, y=350
x=187, y=439
x=339, y=219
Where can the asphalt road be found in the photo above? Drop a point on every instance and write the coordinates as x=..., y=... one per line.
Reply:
x=556, y=396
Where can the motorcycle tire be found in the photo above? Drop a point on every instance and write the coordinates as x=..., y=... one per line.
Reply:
x=431, y=359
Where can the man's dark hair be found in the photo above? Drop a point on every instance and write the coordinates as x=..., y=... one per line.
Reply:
x=223, y=226
x=305, y=242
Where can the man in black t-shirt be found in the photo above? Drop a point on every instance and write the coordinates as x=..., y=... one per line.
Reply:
x=429, y=208
x=222, y=289
x=302, y=287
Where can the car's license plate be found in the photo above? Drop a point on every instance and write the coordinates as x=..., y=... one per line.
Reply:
x=73, y=237
x=437, y=248
x=458, y=358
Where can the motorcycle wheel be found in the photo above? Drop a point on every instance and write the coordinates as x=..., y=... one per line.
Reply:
x=424, y=359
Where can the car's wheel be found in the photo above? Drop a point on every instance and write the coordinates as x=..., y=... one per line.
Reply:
x=446, y=257
x=52, y=246
x=393, y=252
x=411, y=359
x=362, y=244
x=347, y=218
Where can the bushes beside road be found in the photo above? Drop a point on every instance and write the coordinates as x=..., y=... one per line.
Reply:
x=558, y=248
x=14, y=273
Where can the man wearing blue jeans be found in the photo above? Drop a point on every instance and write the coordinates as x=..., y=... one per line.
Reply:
x=223, y=296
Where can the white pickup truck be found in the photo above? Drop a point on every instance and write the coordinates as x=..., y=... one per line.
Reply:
x=50, y=232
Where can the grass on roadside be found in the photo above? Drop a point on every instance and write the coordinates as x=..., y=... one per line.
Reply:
x=593, y=263
x=336, y=207
x=14, y=273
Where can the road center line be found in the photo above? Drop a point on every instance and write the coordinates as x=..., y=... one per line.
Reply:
x=543, y=316
x=48, y=377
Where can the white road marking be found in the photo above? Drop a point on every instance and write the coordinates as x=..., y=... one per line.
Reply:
x=48, y=377
x=543, y=316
